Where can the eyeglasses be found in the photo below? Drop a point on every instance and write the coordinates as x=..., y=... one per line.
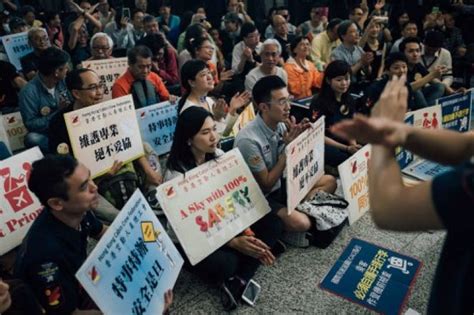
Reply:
x=100, y=47
x=207, y=47
x=92, y=87
x=283, y=102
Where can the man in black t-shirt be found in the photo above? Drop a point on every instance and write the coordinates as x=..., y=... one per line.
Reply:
x=395, y=65
x=446, y=202
x=425, y=84
x=55, y=247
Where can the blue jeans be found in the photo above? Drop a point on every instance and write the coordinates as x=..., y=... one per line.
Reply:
x=428, y=95
x=33, y=139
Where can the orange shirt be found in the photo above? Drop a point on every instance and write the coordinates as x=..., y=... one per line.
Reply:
x=213, y=69
x=123, y=85
x=301, y=81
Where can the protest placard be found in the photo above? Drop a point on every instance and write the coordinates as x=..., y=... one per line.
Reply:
x=133, y=264
x=355, y=183
x=245, y=117
x=425, y=170
x=16, y=46
x=103, y=133
x=108, y=70
x=428, y=118
x=19, y=207
x=304, y=163
x=212, y=203
x=456, y=110
x=15, y=129
x=157, y=124
x=372, y=276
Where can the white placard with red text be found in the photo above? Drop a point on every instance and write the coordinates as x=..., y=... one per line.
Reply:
x=19, y=207
x=304, y=163
x=109, y=70
x=428, y=118
x=212, y=203
x=355, y=183
x=103, y=133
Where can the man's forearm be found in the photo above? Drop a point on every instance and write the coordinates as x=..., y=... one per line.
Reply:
x=442, y=146
x=384, y=178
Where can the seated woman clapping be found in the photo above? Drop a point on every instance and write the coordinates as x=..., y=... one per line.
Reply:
x=234, y=264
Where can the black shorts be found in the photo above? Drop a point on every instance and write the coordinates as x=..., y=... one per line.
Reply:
x=277, y=200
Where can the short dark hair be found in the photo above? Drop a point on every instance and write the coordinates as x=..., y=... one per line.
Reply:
x=196, y=44
x=343, y=27
x=409, y=22
x=51, y=59
x=394, y=57
x=153, y=41
x=24, y=10
x=74, y=79
x=135, y=11
x=48, y=177
x=246, y=29
x=262, y=90
x=138, y=51
x=408, y=40
x=434, y=39
x=333, y=23
x=148, y=18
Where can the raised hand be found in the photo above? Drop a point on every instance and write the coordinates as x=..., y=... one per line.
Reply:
x=239, y=100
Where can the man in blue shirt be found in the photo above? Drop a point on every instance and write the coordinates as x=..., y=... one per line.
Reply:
x=44, y=95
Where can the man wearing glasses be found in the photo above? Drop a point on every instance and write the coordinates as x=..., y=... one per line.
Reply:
x=101, y=46
x=270, y=55
x=39, y=40
x=262, y=143
x=86, y=89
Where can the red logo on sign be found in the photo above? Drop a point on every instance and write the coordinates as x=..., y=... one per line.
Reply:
x=16, y=190
x=11, y=120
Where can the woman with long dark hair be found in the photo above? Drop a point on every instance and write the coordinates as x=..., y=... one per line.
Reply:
x=234, y=264
x=197, y=81
x=335, y=103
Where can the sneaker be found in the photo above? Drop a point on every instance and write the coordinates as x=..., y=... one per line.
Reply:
x=279, y=248
x=231, y=292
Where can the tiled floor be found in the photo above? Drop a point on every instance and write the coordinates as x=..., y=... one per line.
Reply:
x=291, y=285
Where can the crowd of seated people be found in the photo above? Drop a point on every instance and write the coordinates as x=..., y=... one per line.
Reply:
x=233, y=73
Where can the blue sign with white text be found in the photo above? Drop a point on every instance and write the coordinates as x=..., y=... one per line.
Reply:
x=16, y=46
x=372, y=276
x=157, y=124
x=456, y=111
